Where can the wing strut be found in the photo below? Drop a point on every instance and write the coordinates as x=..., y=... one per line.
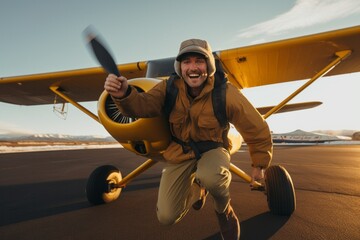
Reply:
x=57, y=91
x=142, y=168
x=341, y=55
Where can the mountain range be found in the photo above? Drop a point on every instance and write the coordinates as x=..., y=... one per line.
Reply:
x=346, y=133
x=18, y=137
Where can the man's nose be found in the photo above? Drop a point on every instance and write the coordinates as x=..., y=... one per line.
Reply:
x=193, y=65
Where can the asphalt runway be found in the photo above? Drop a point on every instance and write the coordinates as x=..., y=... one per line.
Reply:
x=42, y=197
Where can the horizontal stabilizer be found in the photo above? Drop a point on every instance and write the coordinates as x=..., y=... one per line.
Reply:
x=290, y=107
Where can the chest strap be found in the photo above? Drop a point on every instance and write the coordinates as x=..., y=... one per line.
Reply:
x=198, y=147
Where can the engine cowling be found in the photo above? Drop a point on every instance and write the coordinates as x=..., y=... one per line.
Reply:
x=144, y=136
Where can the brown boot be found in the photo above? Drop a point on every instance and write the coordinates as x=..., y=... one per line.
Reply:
x=229, y=224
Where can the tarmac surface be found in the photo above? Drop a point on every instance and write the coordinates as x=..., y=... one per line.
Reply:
x=42, y=197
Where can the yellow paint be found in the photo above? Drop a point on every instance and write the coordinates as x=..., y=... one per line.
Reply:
x=340, y=56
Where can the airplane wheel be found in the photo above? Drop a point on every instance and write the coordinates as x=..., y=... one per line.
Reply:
x=99, y=188
x=280, y=191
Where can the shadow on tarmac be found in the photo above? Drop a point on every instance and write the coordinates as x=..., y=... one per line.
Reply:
x=30, y=201
x=266, y=225
x=24, y=202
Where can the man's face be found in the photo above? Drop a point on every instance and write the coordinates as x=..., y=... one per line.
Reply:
x=194, y=70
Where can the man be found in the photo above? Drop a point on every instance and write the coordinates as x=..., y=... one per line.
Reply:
x=192, y=120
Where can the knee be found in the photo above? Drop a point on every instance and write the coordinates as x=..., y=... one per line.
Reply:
x=213, y=168
x=214, y=179
x=165, y=218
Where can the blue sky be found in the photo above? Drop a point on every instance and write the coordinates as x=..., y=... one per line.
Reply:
x=46, y=35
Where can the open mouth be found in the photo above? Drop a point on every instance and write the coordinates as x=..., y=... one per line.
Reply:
x=194, y=75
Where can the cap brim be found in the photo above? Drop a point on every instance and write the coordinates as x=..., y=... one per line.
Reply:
x=191, y=50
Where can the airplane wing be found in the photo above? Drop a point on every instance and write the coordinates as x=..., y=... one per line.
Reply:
x=292, y=59
x=80, y=85
x=262, y=64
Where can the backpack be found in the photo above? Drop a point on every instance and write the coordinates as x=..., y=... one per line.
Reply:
x=219, y=108
x=218, y=96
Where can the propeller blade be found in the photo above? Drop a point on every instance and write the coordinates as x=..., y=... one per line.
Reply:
x=101, y=53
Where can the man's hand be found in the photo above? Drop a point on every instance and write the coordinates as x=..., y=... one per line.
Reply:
x=256, y=175
x=116, y=86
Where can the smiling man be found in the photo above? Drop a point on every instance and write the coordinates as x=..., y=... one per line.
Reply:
x=198, y=155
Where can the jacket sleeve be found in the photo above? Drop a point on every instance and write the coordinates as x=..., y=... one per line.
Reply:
x=251, y=125
x=145, y=104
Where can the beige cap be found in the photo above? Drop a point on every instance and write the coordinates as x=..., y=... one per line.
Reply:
x=196, y=46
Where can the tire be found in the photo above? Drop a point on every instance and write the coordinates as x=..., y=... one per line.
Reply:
x=98, y=189
x=280, y=191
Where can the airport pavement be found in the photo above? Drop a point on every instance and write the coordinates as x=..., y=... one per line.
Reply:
x=42, y=197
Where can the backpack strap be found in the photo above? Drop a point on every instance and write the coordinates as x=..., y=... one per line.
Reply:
x=171, y=94
x=218, y=102
x=219, y=105
x=219, y=98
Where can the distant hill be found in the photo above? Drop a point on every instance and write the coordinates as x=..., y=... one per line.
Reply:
x=59, y=138
x=300, y=136
x=346, y=133
x=327, y=135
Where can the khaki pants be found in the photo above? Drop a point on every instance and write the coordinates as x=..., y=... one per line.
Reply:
x=177, y=191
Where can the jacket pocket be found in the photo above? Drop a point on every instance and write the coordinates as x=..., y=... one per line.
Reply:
x=209, y=129
x=177, y=120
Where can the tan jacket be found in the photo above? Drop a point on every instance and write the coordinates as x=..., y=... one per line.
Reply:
x=194, y=119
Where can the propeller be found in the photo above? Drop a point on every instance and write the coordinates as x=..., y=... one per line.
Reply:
x=101, y=53
x=105, y=59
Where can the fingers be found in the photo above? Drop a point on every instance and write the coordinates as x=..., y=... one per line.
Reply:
x=113, y=83
x=257, y=175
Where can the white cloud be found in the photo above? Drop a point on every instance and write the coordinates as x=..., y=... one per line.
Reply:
x=304, y=13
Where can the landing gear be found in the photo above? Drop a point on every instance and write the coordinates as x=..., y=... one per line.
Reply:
x=101, y=186
x=280, y=191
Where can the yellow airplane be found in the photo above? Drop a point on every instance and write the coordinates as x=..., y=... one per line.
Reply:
x=308, y=57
